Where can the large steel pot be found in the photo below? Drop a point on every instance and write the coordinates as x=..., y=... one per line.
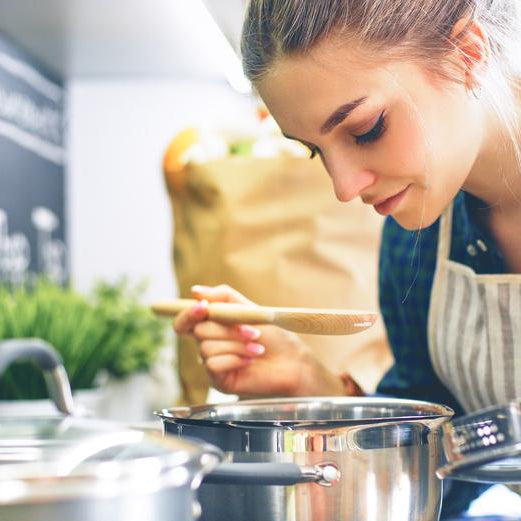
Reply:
x=62, y=467
x=392, y=455
x=387, y=452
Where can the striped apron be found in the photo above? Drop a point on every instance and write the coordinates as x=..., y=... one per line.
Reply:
x=474, y=329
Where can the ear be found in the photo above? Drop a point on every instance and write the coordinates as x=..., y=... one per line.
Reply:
x=473, y=48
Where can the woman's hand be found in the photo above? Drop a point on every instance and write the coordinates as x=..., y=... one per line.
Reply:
x=253, y=360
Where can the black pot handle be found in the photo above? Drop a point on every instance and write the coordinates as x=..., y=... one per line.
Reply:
x=48, y=360
x=325, y=474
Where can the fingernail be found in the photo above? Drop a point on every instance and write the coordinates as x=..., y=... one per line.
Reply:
x=249, y=332
x=197, y=288
x=200, y=309
x=255, y=349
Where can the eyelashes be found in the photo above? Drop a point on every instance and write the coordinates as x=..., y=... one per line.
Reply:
x=374, y=134
x=369, y=137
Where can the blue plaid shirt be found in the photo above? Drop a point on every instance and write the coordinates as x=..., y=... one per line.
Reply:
x=407, y=264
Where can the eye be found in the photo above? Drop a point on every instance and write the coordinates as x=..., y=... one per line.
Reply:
x=313, y=152
x=374, y=134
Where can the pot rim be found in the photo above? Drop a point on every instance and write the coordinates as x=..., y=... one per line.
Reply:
x=208, y=414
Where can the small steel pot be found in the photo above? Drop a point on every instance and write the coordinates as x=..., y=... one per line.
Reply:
x=62, y=467
x=391, y=455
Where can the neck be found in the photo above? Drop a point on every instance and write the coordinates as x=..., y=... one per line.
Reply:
x=495, y=177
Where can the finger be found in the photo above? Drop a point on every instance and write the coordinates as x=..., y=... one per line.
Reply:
x=214, y=348
x=221, y=293
x=209, y=330
x=224, y=363
x=185, y=322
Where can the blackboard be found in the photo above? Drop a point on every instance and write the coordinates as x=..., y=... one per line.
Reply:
x=32, y=183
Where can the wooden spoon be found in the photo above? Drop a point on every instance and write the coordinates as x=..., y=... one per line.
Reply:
x=300, y=320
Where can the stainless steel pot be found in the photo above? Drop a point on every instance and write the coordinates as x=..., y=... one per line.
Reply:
x=391, y=455
x=387, y=452
x=63, y=467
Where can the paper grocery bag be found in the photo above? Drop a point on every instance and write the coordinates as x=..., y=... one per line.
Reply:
x=272, y=229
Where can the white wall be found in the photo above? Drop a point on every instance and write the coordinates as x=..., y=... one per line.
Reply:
x=119, y=215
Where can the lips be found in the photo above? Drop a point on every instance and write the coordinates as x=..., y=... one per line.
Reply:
x=387, y=206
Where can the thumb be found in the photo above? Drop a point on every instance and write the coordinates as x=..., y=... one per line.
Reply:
x=221, y=293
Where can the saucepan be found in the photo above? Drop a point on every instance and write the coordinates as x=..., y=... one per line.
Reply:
x=392, y=455
x=66, y=467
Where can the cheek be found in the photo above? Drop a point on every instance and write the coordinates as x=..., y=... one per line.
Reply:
x=417, y=153
x=433, y=151
x=460, y=138
x=405, y=151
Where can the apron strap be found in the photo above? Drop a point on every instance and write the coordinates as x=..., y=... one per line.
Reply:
x=445, y=234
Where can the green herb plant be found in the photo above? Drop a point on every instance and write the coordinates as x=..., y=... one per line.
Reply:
x=109, y=330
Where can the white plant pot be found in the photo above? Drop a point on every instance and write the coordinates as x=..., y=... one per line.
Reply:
x=127, y=400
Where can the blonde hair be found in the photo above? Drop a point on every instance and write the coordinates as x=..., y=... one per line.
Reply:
x=412, y=29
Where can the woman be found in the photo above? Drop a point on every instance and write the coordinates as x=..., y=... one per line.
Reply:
x=414, y=106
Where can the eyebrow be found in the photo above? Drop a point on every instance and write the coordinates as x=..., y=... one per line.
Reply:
x=336, y=118
x=340, y=114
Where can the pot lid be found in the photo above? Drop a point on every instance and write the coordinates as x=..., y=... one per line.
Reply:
x=50, y=459
x=484, y=446
x=302, y=412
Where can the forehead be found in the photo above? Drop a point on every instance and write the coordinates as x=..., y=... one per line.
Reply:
x=302, y=90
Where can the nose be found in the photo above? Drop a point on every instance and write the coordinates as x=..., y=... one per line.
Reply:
x=349, y=181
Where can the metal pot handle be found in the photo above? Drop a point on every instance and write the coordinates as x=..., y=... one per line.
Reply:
x=48, y=360
x=325, y=474
x=482, y=437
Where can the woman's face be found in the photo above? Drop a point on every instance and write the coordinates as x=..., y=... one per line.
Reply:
x=388, y=133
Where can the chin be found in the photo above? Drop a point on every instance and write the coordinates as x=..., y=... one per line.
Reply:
x=414, y=221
